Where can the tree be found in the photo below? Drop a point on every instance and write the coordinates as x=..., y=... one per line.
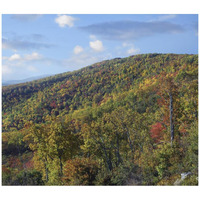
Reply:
x=97, y=142
x=52, y=145
x=38, y=143
x=168, y=93
x=63, y=141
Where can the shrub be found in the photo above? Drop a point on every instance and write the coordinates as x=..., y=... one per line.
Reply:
x=80, y=171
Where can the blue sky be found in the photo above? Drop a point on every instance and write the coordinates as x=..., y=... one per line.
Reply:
x=34, y=45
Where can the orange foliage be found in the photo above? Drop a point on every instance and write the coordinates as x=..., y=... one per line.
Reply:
x=80, y=171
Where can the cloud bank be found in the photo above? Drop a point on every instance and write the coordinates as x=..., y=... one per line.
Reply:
x=132, y=30
x=26, y=17
x=19, y=44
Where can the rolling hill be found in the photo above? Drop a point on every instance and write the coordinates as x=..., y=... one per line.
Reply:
x=127, y=120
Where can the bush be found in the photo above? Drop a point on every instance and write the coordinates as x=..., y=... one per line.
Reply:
x=191, y=143
x=80, y=171
x=124, y=174
x=6, y=176
x=190, y=180
x=32, y=177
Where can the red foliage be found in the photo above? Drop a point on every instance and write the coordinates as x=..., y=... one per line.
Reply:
x=5, y=169
x=29, y=165
x=15, y=162
x=157, y=131
x=53, y=104
x=162, y=102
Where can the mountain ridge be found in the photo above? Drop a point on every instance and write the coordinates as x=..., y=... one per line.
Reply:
x=123, y=121
x=90, y=83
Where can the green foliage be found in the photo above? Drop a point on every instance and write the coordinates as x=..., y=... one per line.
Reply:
x=53, y=144
x=163, y=155
x=13, y=144
x=124, y=174
x=104, y=177
x=6, y=176
x=31, y=177
x=191, y=142
x=89, y=86
x=190, y=180
x=28, y=178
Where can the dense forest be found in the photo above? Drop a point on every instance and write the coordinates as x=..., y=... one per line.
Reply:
x=125, y=121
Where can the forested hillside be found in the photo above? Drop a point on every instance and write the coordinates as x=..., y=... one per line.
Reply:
x=126, y=121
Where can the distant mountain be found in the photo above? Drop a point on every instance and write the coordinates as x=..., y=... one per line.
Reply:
x=13, y=82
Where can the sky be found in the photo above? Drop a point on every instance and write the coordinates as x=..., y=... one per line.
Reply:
x=36, y=44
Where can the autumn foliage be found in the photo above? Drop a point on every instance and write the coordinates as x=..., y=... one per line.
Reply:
x=123, y=121
x=80, y=171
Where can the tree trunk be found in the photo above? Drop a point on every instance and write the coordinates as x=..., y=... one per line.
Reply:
x=108, y=159
x=110, y=162
x=61, y=166
x=46, y=170
x=171, y=118
x=118, y=154
x=130, y=141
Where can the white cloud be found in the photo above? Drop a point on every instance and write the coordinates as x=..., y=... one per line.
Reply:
x=166, y=17
x=97, y=45
x=18, y=60
x=84, y=59
x=33, y=56
x=81, y=60
x=65, y=20
x=6, y=70
x=78, y=49
x=132, y=51
x=14, y=57
x=16, y=65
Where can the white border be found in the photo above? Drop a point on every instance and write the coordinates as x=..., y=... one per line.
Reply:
x=99, y=7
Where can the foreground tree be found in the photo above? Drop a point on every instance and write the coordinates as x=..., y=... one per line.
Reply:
x=52, y=145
